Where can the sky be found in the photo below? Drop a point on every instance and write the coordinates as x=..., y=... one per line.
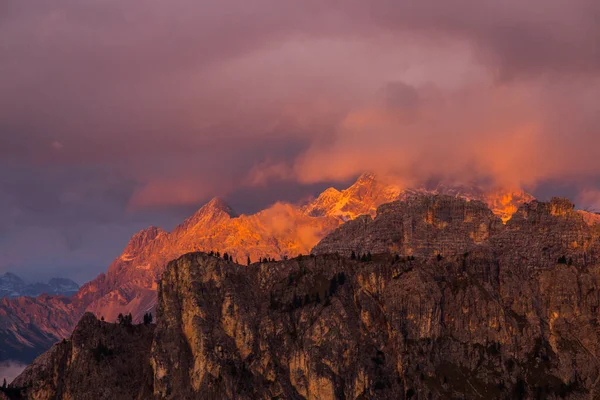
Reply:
x=116, y=115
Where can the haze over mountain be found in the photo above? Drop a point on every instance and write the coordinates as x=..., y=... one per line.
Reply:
x=29, y=326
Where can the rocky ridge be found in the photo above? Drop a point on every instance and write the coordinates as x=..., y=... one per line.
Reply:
x=280, y=231
x=503, y=311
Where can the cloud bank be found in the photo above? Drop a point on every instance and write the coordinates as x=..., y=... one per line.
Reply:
x=114, y=116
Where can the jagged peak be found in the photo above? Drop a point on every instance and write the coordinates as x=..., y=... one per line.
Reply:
x=149, y=233
x=366, y=178
x=142, y=238
x=215, y=208
x=216, y=204
x=329, y=191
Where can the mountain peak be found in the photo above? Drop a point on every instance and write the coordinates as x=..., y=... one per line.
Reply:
x=215, y=209
x=142, y=238
x=366, y=178
x=216, y=206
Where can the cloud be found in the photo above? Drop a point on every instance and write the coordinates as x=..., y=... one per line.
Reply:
x=114, y=115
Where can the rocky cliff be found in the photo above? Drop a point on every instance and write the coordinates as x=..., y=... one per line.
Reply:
x=280, y=231
x=504, y=311
x=423, y=225
x=100, y=360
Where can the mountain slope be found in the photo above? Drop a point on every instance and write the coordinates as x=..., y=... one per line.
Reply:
x=100, y=360
x=501, y=315
x=280, y=231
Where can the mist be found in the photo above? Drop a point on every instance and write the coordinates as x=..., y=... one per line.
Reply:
x=9, y=370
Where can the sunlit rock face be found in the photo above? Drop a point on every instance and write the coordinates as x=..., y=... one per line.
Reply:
x=505, y=311
x=363, y=197
x=423, y=225
x=280, y=231
x=590, y=218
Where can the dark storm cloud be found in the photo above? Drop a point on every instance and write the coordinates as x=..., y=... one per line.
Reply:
x=120, y=114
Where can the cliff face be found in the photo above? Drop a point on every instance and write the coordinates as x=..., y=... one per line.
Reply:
x=423, y=225
x=325, y=327
x=507, y=311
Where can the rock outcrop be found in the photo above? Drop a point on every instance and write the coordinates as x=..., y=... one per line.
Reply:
x=507, y=311
x=423, y=225
x=100, y=360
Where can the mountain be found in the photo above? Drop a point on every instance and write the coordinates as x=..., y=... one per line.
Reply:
x=29, y=325
x=280, y=231
x=452, y=303
x=13, y=286
x=100, y=360
x=422, y=225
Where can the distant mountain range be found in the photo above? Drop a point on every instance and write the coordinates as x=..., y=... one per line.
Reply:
x=12, y=286
x=29, y=326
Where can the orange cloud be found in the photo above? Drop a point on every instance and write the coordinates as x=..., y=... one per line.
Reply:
x=465, y=135
x=160, y=193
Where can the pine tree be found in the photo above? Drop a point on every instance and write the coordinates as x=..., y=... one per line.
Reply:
x=249, y=262
x=226, y=257
x=353, y=255
x=562, y=260
x=4, y=384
